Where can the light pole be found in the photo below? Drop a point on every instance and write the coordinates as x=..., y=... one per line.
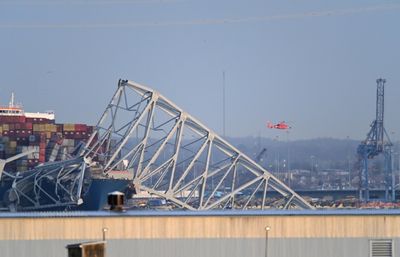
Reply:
x=312, y=157
x=348, y=160
x=312, y=163
x=104, y=233
x=288, y=151
x=276, y=156
x=284, y=170
x=267, y=229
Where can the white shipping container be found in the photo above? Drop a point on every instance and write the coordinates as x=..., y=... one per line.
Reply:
x=35, y=154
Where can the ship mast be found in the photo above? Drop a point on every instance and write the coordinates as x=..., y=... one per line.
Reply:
x=11, y=104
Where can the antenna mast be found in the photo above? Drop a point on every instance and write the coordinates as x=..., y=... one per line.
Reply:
x=11, y=104
x=223, y=104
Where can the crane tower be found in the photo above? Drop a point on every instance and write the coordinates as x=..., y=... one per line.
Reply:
x=376, y=143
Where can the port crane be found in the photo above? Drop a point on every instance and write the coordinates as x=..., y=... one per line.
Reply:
x=377, y=142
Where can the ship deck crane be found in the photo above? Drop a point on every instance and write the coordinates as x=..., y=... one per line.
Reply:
x=376, y=143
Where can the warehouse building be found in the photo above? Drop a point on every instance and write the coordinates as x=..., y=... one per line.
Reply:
x=334, y=233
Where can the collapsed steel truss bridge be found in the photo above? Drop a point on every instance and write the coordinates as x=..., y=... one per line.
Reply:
x=174, y=156
x=167, y=152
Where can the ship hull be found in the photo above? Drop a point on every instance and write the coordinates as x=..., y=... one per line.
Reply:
x=96, y=197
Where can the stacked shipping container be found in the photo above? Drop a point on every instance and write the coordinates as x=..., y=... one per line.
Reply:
x=49, y=140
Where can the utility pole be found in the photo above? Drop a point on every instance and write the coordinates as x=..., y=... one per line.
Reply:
x=223, y=104
x=288, y=156
x=348, y=159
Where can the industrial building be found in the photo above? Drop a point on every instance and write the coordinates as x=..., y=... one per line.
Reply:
x=305, y=233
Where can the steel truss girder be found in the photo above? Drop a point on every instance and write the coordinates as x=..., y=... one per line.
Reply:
x=173, y=155
x=55, y=185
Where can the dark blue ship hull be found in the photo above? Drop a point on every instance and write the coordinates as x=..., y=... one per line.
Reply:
x=96, y=196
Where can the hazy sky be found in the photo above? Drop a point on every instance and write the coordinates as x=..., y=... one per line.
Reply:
x=311, y=63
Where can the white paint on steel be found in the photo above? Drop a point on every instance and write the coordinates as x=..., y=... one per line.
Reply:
x=170, y=152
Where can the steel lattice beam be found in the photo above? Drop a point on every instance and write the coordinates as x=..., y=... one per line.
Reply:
x=173, y=155
x=53, y=185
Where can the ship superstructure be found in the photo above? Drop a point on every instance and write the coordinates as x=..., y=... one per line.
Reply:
x=16, y=111
x=22, y=131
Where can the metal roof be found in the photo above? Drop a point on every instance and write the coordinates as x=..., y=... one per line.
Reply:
x=233, y=213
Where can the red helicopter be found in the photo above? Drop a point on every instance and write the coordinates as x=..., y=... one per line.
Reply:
x=281, y=125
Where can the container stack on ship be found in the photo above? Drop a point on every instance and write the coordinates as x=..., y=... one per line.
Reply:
x=23, y=131
x=49, y=175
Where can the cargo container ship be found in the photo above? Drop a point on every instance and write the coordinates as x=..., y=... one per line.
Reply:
x=48, y=142
x=22, y=131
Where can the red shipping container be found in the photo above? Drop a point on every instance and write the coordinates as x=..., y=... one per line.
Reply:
x=21, y=126
x=42, y=137
x=42, y=146
x=12, y=119
x=80, y=127
x=28, y=125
